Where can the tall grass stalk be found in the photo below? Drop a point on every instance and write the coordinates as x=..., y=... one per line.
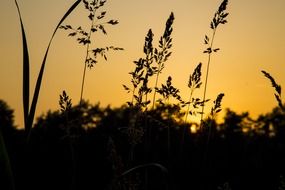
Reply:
x=144, y=66
x=219, y=18
x=144, y=70
x=86, y=57
x=41, y=73
x=194, y=83
x=26, y=73
x=163, y=53
x=207, y=73
x=29, y=113
x=142, y=73
x=65, y=108
x=84, y=37
x=277, y=88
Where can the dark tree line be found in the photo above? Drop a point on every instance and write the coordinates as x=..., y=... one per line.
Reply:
x=90, y=147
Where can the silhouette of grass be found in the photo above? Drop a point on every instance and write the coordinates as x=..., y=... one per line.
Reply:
x=65, y=107
x=141, y=75
x=194, y=83
x=217, y=105
x=277, y=88
x=139, y=119
x=214, y=111
x=145, y=68
x=219, y=18
x=162, y=53
x=151, y=65
x=30, y=113
x=84, y=37
x=26, y=73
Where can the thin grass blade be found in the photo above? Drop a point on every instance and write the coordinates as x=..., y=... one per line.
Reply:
x=41, y=73
x=144, y=166
x=26, y=72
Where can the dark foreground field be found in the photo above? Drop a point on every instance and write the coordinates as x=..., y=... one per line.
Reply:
x=93, y=148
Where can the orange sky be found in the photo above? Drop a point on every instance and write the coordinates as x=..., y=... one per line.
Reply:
x=253, y=40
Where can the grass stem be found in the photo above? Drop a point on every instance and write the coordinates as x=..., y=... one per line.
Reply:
x=85, y=62
x=207, y=75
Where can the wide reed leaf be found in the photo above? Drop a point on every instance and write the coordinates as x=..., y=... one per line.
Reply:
x=26, y=71
x=40, y=76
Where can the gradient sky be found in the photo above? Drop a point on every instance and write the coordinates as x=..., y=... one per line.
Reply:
x=252, y=41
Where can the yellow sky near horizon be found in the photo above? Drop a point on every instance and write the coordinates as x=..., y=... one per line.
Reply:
x=251, y=41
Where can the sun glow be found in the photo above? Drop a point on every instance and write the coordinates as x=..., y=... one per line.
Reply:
x=193, y=128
